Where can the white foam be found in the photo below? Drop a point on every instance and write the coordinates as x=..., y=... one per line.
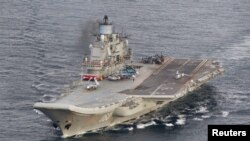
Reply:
x=48, y=98
x=181, y=116
x=202, y=110
x=58, y=129
x=181, y=121
x=142, y=126
x=38, y=112
x=116, y=129
x=38, y=86
x=197, y=119
x=169, y=124
x=205, y=116
x=130, y=128
x=166, y=118
x=225, y=113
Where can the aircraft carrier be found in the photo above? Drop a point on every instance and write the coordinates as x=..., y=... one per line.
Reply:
x=117, y=88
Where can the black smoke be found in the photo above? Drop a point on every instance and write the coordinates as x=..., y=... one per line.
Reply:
x=89, y=30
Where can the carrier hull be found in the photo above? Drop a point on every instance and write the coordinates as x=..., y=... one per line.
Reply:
x=80, y=111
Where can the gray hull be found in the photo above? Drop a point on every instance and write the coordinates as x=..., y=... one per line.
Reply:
x=75, y=123
x=113, y=103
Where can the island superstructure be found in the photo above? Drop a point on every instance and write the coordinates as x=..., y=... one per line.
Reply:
x=117, y=88
x=108, y=54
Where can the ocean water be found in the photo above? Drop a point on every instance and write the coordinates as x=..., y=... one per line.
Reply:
x=42, y=44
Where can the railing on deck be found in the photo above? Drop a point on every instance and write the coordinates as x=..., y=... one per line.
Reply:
x=94, y=63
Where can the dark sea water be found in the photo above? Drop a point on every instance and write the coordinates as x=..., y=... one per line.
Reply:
x=42, y=43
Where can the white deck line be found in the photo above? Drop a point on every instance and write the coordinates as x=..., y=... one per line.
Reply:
x=153, y=93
